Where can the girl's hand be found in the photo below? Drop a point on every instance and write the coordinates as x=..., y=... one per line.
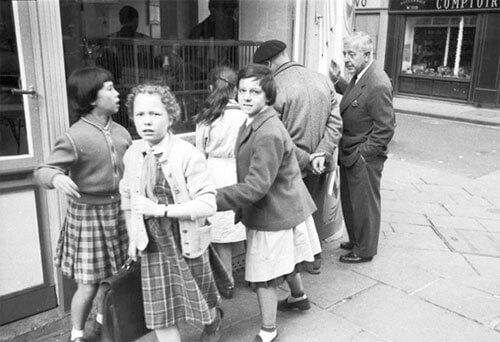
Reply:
x=65, y=185
x=132, y=250
x=145, y=206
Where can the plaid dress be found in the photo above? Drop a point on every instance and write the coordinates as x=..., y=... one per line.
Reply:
x=174, y=288
x=93, y=243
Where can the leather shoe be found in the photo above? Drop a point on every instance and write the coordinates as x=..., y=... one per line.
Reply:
x=353, y=258
x=212, y=332
x=302, y=305
x=347, y=245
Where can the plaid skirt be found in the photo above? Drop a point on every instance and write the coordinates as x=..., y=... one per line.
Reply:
x=175, y=289
x=93, y=243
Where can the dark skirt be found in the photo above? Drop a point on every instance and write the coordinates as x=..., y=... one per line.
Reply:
x=93, y=243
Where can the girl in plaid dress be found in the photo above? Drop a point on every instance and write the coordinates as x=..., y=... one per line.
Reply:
x=93, y=240
x=167, y=195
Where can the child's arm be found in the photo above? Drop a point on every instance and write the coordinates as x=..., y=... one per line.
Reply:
x=51, y=175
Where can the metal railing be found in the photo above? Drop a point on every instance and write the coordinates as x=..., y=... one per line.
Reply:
x=183, y=65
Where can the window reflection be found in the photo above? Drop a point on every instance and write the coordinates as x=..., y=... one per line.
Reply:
x=13, y=140
x=175, y=42
x=439, y=46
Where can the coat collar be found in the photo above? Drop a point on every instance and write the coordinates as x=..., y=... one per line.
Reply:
x=286, y=66
x=357, y=89
x=260, y=119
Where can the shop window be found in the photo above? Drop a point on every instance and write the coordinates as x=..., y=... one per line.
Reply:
x=175, y=42
x=440, y=46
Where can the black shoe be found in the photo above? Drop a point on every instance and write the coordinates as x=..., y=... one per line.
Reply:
x=227, y=292
x=353, y=258
x=347, y=245
x=302, y=305
x=212, y=332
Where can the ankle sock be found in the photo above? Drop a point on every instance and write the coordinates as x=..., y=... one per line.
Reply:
x=75, y=333
x=98, y=318
x=267, y=334
x=294, y=299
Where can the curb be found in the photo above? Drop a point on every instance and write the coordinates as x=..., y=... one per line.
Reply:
x=476, y=121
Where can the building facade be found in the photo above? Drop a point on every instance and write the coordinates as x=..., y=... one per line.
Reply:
x=445, y=49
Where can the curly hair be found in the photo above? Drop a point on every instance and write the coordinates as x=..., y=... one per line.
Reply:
x=167, y=98
x=223, y=81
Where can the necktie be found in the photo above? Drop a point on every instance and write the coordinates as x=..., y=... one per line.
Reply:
x=351, y=84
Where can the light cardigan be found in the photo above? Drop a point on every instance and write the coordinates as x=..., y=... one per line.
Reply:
x=186, y=172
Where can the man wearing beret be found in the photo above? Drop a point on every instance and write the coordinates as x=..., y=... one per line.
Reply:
x=306, y=102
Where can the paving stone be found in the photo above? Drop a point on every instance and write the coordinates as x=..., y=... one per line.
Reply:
x=396, y=316
x=456, y=222
x=423, y=197
x=412, y=207
x=470, y=241
x=466, y=301
x=363, y=336
x=383, y=269
x=334, y=275
x=412, y=228
x=444, y=264
x=491, y=213
x=486, y=266
x=440, y=189
x=426, y=240
x=491, y=225
x=403, y=217
x=479, y=201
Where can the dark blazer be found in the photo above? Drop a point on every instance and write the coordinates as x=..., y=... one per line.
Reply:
x=270, y=194
x=368, y=117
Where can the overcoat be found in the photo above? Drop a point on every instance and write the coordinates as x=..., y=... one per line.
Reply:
x=270, y=194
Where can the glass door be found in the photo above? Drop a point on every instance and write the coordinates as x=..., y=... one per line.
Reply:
x=26, y=277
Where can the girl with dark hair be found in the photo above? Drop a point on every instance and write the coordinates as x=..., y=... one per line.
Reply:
x=270, y=199
x=216, y=132
x=93, y=241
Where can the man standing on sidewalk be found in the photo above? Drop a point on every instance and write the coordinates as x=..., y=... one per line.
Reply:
x=309, y=110
x=368, y=117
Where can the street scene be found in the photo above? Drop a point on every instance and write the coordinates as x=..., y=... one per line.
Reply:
x=437, y=272
x=249, y=171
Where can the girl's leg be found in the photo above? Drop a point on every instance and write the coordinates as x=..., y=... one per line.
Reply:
x=268, y=298
x=169, y=334
x=298, y=299
x=80, y=307
x=225, y=251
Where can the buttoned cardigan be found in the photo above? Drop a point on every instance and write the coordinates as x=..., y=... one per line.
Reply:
x=186, y=172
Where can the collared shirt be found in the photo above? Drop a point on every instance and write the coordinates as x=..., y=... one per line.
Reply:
x=361, y=73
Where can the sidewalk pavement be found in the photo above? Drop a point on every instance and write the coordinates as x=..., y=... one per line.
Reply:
x=436, y=276
x=447, y=110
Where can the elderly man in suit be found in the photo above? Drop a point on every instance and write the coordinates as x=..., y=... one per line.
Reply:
x=368, y=117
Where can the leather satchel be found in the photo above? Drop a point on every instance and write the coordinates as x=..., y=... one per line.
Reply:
x=123, y=308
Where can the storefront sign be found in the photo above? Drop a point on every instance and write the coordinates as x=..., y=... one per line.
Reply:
x=370, y=4
x=444, y=5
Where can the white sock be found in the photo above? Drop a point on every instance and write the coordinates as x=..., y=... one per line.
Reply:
x=76, y=333
x=267, y=336
x=292, y=299
x=98, y=318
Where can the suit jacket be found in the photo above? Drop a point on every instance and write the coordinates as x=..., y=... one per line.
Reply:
x=270, y=194
x=368, y=117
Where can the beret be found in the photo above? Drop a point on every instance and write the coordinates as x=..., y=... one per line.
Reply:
x=268, y=50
